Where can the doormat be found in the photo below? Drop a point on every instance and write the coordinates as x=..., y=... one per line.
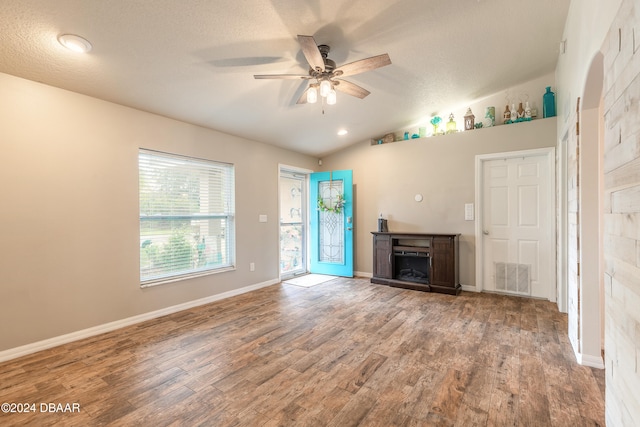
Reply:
x=309, y=280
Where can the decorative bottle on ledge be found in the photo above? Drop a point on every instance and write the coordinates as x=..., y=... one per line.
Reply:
x=548, y=103
x=452, y=127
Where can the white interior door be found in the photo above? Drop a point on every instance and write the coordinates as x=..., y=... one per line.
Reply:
x=518, y=226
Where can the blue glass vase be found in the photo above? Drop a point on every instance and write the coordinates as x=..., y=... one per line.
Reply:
x=548, y=103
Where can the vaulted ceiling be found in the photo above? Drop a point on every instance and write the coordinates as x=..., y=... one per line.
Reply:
x=194, y=60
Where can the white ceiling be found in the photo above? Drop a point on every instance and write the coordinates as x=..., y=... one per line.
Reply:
x=194, y=60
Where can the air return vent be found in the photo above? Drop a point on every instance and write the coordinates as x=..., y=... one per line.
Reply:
x=513, y=278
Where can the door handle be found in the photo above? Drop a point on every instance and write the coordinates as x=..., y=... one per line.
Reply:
x=349, y=228
x=485, y=232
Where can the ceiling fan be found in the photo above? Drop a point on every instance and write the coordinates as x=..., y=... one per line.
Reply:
x=325, y=76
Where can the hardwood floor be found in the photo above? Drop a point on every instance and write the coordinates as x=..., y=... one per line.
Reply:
x=342, y=353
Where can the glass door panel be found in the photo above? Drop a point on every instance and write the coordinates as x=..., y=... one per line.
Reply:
x=293, y=231
x=331, y=222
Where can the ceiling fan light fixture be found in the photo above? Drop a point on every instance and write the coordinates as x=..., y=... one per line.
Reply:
x=325, y=88
x=75, y=43
x=312, y=95
x=331, y=97
x=324, y=74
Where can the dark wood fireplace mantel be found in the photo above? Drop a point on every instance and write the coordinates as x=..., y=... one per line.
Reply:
x=424, y=262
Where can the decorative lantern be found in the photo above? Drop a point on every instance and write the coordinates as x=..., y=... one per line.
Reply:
x=469, y=119
x=452, y=127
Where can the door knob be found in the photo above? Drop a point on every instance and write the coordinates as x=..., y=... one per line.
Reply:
x=485, y=232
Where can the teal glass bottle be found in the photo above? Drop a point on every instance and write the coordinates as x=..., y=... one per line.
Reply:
x=548, y=103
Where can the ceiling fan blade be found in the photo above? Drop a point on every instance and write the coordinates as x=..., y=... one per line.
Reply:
x=303, y=97
x=351, y=89
x=311, y=52
x=282, y=76
x=363, y=65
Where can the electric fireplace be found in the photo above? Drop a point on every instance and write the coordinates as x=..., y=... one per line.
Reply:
x=423, y=262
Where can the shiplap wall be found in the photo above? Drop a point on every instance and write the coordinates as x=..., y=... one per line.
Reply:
x=573, y=233
x=622, y=216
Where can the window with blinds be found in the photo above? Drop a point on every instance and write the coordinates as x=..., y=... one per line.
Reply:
x=186, y=217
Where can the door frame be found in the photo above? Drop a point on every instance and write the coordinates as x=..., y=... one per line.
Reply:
x=550, y=154
x=305, y=204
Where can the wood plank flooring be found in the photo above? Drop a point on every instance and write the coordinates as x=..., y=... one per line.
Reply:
x=343, y=353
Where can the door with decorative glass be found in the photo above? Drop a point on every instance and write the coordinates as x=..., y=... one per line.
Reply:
x=331, y=212
x=293, y=223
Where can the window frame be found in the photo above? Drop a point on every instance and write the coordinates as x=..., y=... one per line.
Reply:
x=228, y=215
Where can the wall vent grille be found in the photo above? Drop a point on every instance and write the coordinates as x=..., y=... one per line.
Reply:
x=513, y=278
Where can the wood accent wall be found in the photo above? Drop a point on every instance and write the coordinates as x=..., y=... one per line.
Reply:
x=622, y=216
x=573, y=231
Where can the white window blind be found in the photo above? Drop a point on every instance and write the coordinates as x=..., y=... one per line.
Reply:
x=186, y=217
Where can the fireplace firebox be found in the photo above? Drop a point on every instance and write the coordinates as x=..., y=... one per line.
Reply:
x=412, y=265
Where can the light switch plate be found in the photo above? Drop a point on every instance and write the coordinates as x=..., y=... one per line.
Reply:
x=468, y=212
x=262, y=218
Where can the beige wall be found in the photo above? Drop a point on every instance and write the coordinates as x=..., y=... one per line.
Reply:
x=69, y=210
x=387, y=177
x=587, y=25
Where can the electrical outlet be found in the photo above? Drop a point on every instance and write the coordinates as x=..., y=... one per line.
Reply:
x=252, y=266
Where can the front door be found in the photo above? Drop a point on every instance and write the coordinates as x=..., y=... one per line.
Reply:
x=518, y=225
x=331, y=231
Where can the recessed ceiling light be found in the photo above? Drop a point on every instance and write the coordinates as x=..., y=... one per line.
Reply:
x=75, y=43
x=342, y=132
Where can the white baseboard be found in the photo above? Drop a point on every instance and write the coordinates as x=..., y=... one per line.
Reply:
x=589, y=360
x=469, y=288
x=16, y=352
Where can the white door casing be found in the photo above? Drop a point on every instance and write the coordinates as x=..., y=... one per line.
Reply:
x=515, y=227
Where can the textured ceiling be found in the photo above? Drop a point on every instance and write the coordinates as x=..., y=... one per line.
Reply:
x=194, y=60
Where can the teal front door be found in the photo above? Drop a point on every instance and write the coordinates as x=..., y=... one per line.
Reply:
x=331, y=232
